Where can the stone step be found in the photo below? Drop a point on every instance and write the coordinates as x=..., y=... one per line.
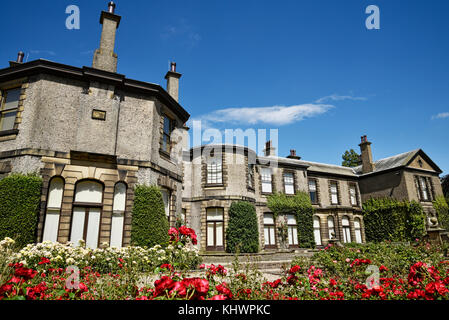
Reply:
x=222, y=258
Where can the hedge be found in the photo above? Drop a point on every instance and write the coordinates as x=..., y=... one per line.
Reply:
x=393, y=220
x=442, y=210
x=242, y=234
x=19, y=207
x=300, y=206
x=149, y=222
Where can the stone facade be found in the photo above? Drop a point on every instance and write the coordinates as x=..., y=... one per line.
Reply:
x=94, y=127
x=198, y=196
x=91, y=124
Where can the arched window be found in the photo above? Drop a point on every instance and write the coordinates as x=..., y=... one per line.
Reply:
x=346, y=229
x=118, y=215
x=292, y=230
x=331, y=227
x=269, y=228
x=87, y=213
x=358, y=230
x=166, y=197
x=54, y=202
x=317, y=230
x=215, y=229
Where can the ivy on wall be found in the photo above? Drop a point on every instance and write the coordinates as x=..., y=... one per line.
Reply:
x=393, y=220
x=300, y=206
x=149, y=222
x=442, y=209
x=20, y=197
x=242, y=233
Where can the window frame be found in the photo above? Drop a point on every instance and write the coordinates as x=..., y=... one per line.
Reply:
x=317, y=201
x=333, y=182
x=251, y=172
x=166, y=135
x=215, y=247
x=47, y=208
x=262, y=181
x=292, y=184
x=120, y=212
x=4, y=96
x=270, y=226
x=358, y=230
x=419, y=180
x=87, y=206
x=331, y=218
x=317, y=219
x=346, y=229
x=213, y=168
x=353, y=186
x=293, y=228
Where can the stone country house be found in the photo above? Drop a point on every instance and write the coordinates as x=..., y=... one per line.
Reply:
x=94, y=134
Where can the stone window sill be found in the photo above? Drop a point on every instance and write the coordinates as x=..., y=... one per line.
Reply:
x=8, y=135
x=214, y=186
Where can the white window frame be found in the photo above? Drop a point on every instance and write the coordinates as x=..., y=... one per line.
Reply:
x=353, y=194
x=87, y=210
x=317, y=230
x=334, y=192
x=331, y=227
x=266, y=177
x=54, y=204
x=289, y=183
x=358, y=230
x=118, y=215
x=346, y=226
x=215, y=170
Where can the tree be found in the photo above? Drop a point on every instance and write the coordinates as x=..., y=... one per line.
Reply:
x=149, y=222
x=350, y=158
x=242, y=233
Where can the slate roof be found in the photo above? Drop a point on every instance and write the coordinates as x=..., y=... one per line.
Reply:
x=391, y=162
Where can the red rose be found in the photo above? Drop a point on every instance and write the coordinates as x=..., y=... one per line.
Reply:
x=223, y=289
x=25, y=273
x=294, y=269
x=44, y=261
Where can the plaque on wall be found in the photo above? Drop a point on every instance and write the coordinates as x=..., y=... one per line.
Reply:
x=99, y=115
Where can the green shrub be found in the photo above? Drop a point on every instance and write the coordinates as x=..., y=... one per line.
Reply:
x=442, y=209
x=149, y=222
x=242, y=233
x=19, y=207
x=301, y=207
x=389, y=219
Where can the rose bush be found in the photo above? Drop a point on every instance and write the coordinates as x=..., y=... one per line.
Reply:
x=417, y=272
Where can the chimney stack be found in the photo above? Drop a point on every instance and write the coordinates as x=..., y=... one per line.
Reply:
x=173, y=81
x=293, y=155
x=269, y=149
x=19, y=60
x=366, y=155
x=105, y=58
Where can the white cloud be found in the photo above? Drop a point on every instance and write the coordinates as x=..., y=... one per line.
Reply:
x=275, y=115
x=442, y=115
x=336, y=97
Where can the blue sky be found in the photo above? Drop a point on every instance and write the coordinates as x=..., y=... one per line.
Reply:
x=247, y=63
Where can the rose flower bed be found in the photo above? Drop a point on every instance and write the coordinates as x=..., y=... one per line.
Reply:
x=417, y=272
